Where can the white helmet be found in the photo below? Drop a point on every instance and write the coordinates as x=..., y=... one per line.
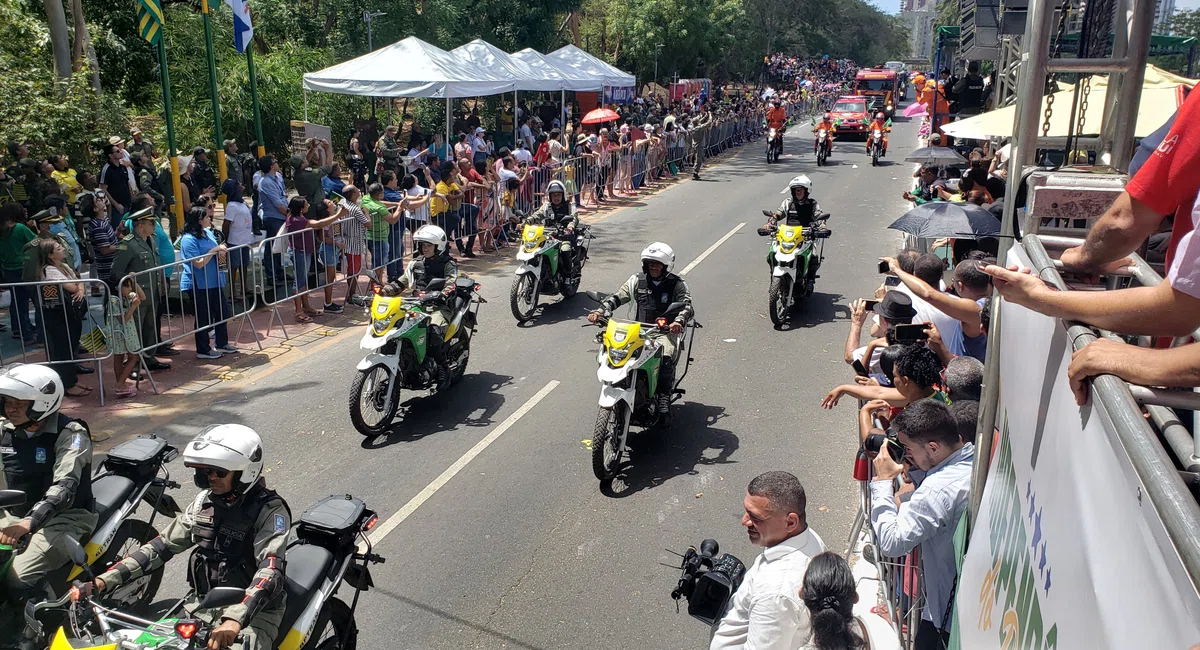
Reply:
x=659, y=252
x=800, y=181
x=556, y=186
x=432, y=235
x=231, y=447
x=39, y=385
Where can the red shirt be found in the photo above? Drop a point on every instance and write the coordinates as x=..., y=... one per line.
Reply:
x=542, y=154
x=1169, y=180
x=471, y=176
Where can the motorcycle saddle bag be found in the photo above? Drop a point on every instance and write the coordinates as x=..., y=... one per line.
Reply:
x=138, y=458
x=332, y=520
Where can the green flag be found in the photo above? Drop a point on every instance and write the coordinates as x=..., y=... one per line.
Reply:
x=150, y=20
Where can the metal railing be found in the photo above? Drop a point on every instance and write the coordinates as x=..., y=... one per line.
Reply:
x=64, y=320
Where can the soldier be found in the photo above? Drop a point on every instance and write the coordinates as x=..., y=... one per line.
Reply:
x=389, y=149
x=135, y=254
x=233, y=162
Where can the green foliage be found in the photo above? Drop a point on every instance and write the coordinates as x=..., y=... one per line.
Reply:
x=1185, y=22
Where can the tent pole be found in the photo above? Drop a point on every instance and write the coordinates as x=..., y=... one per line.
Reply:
x=450, y=149
x=516, y=126
x=305, y=104
x=562, y=117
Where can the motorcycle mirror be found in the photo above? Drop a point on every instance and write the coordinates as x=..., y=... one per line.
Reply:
x=764, y=232
x=75, y=551
x=675, y=306
x=594, y=296
x=437, y=284
x=222, y=597
x=11, y=498
x=768, y=213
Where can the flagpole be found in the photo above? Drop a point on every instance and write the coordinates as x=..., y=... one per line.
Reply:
x=165, y=79
x=218, y=132
x=262, y=150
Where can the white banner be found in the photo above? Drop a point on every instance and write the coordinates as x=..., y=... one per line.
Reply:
x=1065, y=552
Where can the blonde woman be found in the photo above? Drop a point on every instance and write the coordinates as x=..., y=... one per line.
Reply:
x=63, y=306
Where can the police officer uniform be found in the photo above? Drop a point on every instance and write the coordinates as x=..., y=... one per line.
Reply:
x=135, y=255
x=416, y=277
x=390, y=151
x=560, y=218
x=652, y=297
x=237, y=541
x=53, y=467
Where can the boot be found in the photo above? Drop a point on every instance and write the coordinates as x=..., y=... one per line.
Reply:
x=666, y=387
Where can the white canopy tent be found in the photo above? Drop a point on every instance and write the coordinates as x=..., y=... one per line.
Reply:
x=410, y=68
x=570, y=78
x=587, y=65
x=485, y=55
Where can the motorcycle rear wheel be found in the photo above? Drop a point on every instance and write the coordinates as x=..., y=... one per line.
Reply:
x=524, y=292
x=608, y=441
x=381, y=379
x=334, y=623
x=781, y=290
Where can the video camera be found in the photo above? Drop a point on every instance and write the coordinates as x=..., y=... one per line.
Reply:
x=708, y=582
x=876, y=442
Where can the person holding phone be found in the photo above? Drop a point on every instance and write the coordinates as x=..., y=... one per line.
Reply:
x=894, y=309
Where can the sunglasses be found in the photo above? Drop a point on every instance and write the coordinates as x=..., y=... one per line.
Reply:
x=213, y=471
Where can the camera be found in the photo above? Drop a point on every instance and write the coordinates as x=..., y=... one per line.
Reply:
x=708, y=581
x=875, y=442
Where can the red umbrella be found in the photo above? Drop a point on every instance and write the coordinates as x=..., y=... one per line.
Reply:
x=600, y=115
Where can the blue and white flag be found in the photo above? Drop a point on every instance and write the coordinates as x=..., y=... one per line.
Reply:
x=243, y=31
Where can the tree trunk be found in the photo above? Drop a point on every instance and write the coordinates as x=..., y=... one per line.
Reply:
x=60, y=44
x=82, y=46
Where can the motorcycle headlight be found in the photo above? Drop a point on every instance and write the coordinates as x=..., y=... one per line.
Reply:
x=786, y=247
x=617, y=355
x=889, y=107
x=530, y=246
x=380, y=326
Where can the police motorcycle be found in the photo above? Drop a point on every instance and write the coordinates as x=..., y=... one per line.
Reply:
x=331, y=548
x=795, y=253
x=774, y=143
x=539, y=257
x=629, y=365
x=133, y=472
x=397, y=348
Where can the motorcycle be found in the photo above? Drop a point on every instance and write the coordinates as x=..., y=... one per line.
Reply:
x=822, y=147
x=774, y=144
x=397, y=350
x=538, y=272
x=877, y=150
x=128, y=476
x=628, y=374
x=794, y=260
x=324, y=556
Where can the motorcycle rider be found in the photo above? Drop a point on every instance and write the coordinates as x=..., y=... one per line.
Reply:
x=239, y=529
x=878, y=123
x=777, y=119
x=827, y=124
x=48, y=456
x=653, y=290
x=435, y=262
x=558, y=215
x=799, y=209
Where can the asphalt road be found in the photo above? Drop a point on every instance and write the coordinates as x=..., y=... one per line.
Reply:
x=521, y=548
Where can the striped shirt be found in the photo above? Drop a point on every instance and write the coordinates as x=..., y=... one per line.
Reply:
x=354, y=230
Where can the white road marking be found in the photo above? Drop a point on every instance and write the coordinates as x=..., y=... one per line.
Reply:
x=712, y=248
x=438, y=483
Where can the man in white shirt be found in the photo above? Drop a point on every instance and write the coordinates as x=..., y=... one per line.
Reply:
x=526, y=132
x=766, y=612
x=929, y=268
x=522, y=154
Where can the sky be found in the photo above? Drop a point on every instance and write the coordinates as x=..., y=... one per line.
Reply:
x=893, y=6
x=1187, y=4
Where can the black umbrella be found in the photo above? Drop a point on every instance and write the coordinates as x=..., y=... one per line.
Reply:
x=948, y=219
x=936, y=156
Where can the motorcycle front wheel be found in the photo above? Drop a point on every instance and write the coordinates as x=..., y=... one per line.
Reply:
x=134, y=596
x=608, y=440
x=523, y=297
x=335, y=628
x=777, y=297
x=373, y=404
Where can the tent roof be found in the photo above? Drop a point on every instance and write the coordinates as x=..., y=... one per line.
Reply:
x=489, y=57
x=570, y=78
x=573, y=57
x=1162, y=95
x=409, y=68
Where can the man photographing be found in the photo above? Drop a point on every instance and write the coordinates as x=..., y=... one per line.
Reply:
x=766, y=612
x=929, y=433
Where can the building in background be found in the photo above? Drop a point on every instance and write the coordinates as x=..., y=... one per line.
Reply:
x=1164, y=10
x=919, y=16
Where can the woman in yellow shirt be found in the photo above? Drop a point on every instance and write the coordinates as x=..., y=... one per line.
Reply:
x=447, y=200
x=65, y=177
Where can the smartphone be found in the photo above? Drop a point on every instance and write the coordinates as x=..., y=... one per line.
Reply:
x=859, y=369
x=869, y=304
x=884, y=267
x=911, y=333
x=891, y=281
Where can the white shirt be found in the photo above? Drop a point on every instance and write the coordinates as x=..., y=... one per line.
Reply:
x=766, y=612
x=876, y=632
x=948, y=327
x=241, y=229
x=522, y=155
x=421, y=214
x=527, y=135
x=1184, y=274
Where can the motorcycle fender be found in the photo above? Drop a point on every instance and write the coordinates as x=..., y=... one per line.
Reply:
x=610, y=395
x=371, y=342
x=388, y=361
x=534, y=270
x=359, y=577
x=780, y=271
x=523, y=256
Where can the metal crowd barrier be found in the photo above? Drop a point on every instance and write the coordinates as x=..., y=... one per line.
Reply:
x=235, y=299
x=62, y=325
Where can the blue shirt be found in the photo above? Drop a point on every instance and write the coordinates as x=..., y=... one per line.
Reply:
x=208, y=277
x=331, y=184
x=928, y=519
x=271, y=193
x=61, y=228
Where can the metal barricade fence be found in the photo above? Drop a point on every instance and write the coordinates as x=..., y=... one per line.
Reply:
x=63, y=323
x=229, y=292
